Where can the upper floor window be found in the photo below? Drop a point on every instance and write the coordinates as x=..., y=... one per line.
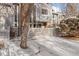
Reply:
x=44, y=11
x=55, y=16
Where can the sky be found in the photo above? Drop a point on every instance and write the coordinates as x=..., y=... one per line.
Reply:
x=61, y=6
x=58, y=6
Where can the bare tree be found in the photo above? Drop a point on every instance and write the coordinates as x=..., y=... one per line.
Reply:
x=71, y=9
x=25, y=15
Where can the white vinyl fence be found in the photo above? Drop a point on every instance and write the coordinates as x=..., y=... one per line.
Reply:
x=41, y=31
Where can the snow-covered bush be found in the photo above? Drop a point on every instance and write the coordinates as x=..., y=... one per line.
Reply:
x=69, y=27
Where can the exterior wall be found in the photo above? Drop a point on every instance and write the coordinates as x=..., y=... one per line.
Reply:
x=59, y=16
x=8, y=15
x=55, y=17
x=40, y=16
x=45, y=18
x=37, y=17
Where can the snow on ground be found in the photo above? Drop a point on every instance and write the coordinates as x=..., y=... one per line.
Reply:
x=58, y=46
x=13, y=49
x=41, y=46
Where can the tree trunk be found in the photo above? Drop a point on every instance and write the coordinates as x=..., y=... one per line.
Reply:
x=25, y=15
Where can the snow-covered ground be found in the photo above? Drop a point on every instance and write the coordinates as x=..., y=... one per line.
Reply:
x=41, y=46
x=57, y=46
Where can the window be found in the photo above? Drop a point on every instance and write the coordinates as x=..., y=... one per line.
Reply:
x=55, y=16
x=44, y=11
x=35, y=24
